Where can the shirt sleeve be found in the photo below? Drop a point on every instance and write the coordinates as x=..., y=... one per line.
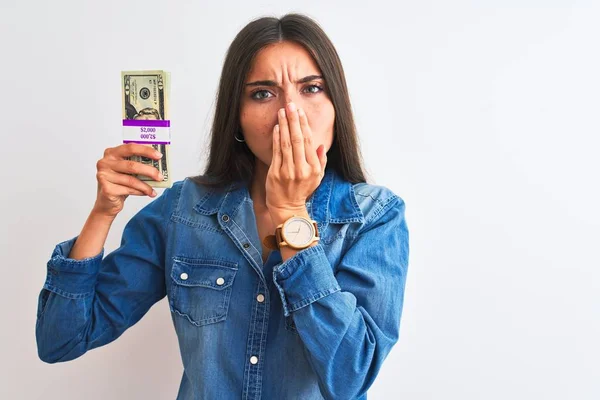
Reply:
x=88, y=303
x=348, y=317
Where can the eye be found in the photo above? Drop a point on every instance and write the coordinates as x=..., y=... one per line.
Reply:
x=254, y=94
x=263, y=94
x=320, y=89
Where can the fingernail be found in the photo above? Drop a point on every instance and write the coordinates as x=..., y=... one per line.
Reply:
x=153, y=193
x=160, y=177
x=159, y=154
x=301, y=112
x=292, y=107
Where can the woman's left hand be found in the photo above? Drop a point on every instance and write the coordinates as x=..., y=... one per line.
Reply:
x=297, y=168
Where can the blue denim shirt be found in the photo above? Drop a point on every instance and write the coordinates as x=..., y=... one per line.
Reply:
x=317, y=326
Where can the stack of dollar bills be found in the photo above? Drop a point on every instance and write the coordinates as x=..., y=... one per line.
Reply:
x=146, y=119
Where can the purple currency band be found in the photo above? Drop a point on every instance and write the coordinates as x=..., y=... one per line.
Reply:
x=147, y=122
x=144, y=142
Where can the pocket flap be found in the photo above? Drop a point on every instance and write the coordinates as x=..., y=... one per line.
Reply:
x=213, y=274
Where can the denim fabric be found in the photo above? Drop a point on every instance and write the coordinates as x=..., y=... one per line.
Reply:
x=319, y=325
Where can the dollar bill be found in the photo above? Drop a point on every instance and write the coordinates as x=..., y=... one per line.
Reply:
x=145, y=96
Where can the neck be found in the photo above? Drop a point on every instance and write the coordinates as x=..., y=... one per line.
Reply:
x=258, y=191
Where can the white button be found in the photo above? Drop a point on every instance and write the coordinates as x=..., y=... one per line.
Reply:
x=184, y=276
x=220, y=281
x=253, y=360
x=260, y=298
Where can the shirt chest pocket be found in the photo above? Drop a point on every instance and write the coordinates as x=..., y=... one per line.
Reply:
x=201, y=289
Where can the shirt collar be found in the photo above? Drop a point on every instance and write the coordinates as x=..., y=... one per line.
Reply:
x=332, y=202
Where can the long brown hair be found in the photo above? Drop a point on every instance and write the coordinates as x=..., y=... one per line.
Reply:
x=229, y=160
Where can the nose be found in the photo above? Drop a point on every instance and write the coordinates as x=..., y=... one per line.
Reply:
x=283, y=102
x=290, y=95
x=288, y=99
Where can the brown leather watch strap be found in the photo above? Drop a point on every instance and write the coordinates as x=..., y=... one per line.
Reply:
x=270, y=242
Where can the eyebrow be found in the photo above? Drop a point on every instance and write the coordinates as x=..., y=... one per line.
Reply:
x=273, y=83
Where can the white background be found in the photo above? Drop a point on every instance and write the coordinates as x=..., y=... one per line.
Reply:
x=481, y=115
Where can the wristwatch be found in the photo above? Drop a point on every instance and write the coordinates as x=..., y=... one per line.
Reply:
x=296, y=232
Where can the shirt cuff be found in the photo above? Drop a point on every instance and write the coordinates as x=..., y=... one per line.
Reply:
x=304, y=278
x=69, y=277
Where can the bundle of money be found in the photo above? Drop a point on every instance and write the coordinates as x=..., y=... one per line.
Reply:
x=146, y=119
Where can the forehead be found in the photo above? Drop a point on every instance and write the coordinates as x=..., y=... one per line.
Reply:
x=282, y=58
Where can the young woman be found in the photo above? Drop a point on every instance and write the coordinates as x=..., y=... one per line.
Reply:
x=283, y=268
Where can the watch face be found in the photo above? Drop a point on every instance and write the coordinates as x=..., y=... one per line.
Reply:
x=298, y=231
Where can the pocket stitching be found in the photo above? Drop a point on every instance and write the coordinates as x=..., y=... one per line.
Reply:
x=222, y=308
